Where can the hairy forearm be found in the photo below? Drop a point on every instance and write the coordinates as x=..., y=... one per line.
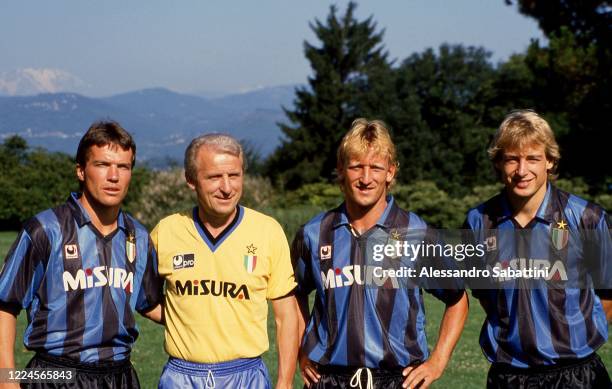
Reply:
x=450, y=330
x=285, y=315
x=303, y=314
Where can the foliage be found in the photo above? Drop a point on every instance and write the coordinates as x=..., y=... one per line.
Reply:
x=31, y=181
x=350, y=51
x=441, y=116
x=166, y=192
x=572, y=80
x=321, y=195
x=257, y=192
x=588, y=20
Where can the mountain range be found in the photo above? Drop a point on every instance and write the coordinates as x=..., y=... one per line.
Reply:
x=161, y=121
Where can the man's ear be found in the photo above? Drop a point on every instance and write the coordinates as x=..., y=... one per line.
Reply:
x=189, y=183
x=80, y=172
x=549, y=165
x=391, y=173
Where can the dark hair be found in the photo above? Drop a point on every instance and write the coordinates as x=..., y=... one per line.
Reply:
x=104, y=133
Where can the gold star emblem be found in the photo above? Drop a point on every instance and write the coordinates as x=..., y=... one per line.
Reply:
x=561, y=225
x=251, y=249
x=395, y=235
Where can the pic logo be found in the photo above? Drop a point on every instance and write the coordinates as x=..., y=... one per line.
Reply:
x=183, y=261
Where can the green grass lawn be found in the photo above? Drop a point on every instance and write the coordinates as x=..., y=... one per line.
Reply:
x=467, y=368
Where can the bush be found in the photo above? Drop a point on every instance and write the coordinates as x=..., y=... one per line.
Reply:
x=165, y=193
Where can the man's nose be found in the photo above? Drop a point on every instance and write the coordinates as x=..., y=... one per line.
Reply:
x=366, y=175
x=522, y=168
x=225, y=185
x=113, y=173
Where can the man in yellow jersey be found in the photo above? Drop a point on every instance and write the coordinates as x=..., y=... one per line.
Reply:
x=221, y=263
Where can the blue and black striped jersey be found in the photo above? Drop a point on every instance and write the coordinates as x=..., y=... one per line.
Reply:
x=354, y=321
x=80, y=289
x=541, y=324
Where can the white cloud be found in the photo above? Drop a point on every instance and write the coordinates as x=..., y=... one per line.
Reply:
x=30, y=81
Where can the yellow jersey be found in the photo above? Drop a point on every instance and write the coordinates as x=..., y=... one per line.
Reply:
x=216, y=305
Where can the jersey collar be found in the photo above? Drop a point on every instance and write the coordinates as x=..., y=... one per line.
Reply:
x=81, y=216
x=385, y=220
x=546, y=210
x=214, y=243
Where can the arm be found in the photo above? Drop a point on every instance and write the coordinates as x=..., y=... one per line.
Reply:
x=450, y=331
x=8, y=324
x=285, y=316
x=308, y=370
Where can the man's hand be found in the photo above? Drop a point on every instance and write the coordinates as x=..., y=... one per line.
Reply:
x=450, y=330
x=424, y=374
x=308, y=370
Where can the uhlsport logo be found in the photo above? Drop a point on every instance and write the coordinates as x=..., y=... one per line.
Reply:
x=183, y=261
x=71, y=251
x=325, y=252
x=98, y=277
x=491, y=243
x=212, y=288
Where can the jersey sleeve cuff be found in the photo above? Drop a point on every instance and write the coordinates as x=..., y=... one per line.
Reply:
x=290, y=292
x=605, y=294
x=11, y=308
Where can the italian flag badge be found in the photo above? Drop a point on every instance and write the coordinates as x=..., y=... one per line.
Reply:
x=250, y=262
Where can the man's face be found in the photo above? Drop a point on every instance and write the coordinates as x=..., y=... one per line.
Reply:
x=524, y=172
x=106, y=175
x=218, y=182
x=365, y=179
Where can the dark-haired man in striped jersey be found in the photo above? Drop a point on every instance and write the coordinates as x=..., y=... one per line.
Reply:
x=81, y=270
x=366, y=330
x=542, y=332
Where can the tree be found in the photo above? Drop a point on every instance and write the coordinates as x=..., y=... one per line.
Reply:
x=572, y=80
x=590, y=21
x=31, y=180
x=349, y=53
x=441, y=118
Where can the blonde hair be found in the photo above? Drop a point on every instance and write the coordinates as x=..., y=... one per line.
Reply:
x=364, y=136
x=520, y=129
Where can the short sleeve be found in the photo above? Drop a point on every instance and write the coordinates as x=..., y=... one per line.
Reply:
x=449, y=290
x=600, y=253
x=301, y=260
x=151, y=290
x=281, y=280
x=24, y=267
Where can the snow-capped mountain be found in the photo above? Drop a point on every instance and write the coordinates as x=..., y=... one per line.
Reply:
x=31, y=81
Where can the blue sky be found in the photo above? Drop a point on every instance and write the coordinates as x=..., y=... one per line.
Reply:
x=227, y=46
